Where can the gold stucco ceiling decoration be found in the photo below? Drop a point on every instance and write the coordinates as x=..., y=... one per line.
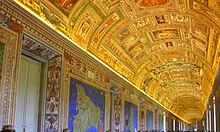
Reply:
x=167, y=48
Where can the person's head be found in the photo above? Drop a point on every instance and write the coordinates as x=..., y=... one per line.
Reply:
x=8, y=128
x=66, y=130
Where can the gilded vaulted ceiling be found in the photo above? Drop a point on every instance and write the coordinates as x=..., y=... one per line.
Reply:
x=167, y=48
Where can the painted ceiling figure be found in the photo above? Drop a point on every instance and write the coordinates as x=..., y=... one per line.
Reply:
x=148, y=3
x=66, y=3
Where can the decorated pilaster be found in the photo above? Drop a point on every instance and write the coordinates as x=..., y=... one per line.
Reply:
x=117, y=107
x=142, y=116
x=10, y=52
x=156, y=119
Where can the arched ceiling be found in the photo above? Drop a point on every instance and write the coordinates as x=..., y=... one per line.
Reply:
x=167, y=48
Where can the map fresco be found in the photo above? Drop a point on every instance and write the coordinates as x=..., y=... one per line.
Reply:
x=160, y=122
x=149, y=120
x=131, y=117
x=86, y=108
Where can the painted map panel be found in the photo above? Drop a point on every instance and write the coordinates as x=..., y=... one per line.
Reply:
x=86, y=108
x=160, y=122
x=149, y=120
x=130, y=117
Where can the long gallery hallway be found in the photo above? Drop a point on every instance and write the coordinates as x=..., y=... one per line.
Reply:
x=109, y=65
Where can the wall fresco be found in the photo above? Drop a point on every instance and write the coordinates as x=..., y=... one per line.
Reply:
x=38, y=48
x=160, y=122
x=53, y=95
x=149, y=120
x=117, y=108
x=4, y=21
x=142, y=116
x=86, y=108
x=130, y=117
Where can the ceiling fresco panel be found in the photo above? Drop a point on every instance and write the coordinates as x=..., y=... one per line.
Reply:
x=205, y=10
x=65, y=6
x=103, y=28
x=166, y=34
x=85, y=25
x=121, y=55
x=200, y=25
x=123, y=34
x=142, y=4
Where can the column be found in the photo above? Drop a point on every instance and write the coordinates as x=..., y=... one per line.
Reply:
x=164, y=121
